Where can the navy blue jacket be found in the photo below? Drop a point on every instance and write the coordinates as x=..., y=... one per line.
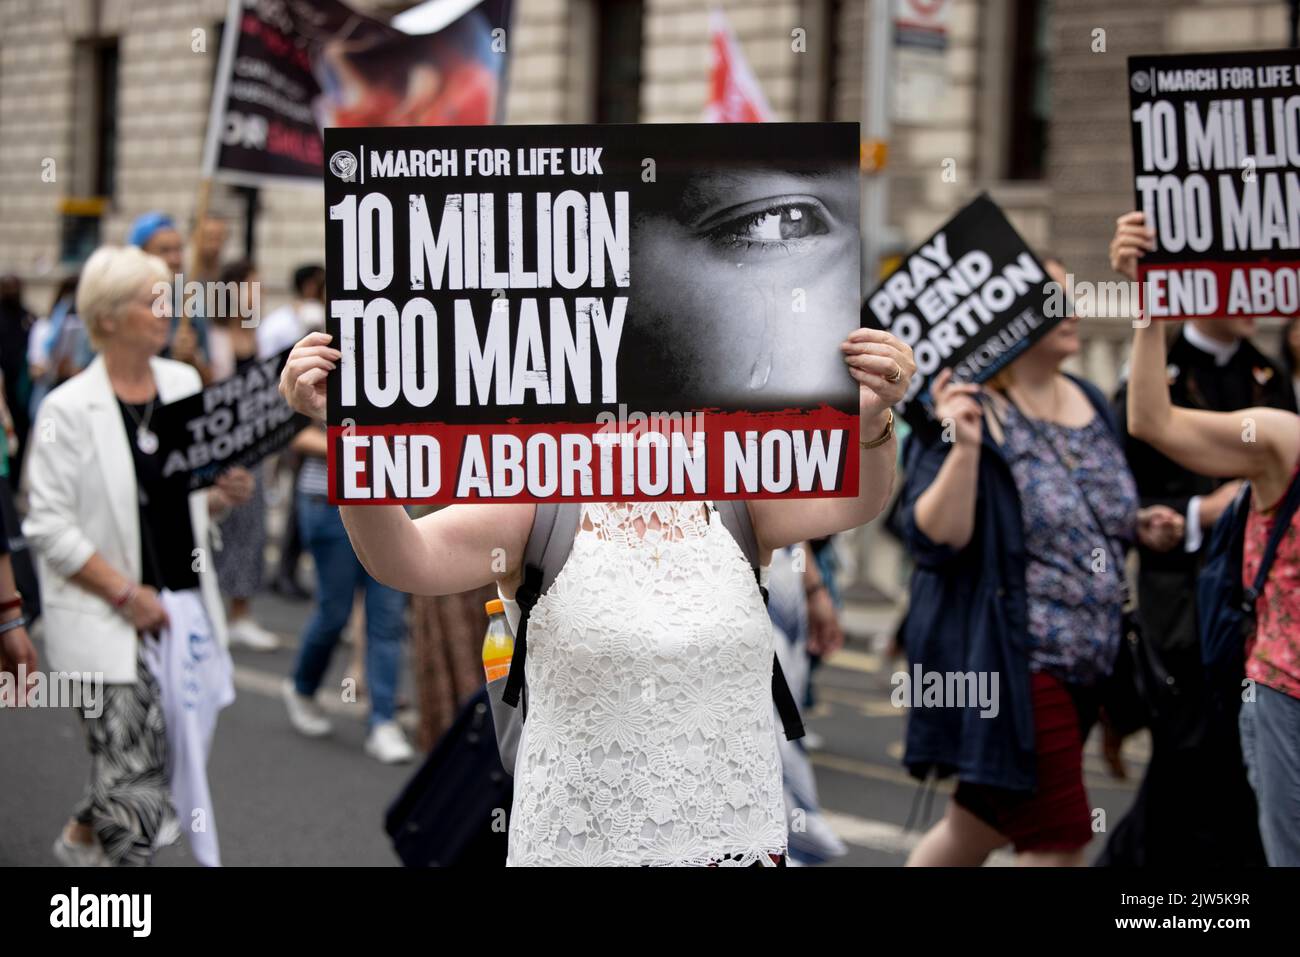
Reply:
x=968, y=612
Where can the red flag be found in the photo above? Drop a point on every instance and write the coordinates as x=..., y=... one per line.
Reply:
x=734, y=93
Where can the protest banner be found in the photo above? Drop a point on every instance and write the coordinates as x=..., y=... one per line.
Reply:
x=972, y=298
x=236, y=422
x=735, y=95
x=589, y=313
x=289, y=68
x=1216, y=152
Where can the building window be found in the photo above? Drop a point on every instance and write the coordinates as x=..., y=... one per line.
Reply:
x=618, y=60
x=105, y=118
x=94, y=149
x=1028, y=92
x=833, y=46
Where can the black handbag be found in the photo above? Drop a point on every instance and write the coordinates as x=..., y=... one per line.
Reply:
x=1126, y=694
x=455, y=810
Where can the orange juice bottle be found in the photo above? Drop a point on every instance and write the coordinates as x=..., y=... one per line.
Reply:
x=498, y=643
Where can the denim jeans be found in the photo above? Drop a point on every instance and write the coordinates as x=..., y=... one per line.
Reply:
x=1270, y=743
x=339, y=575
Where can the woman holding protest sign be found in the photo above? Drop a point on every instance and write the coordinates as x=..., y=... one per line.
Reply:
x=111, y=535
x=1018, y=518
x=1263, y=446
x=1212, y=365
x=680, y=765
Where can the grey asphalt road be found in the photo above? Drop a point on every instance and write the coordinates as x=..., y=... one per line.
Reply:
x=278, y=798
x=283, y=800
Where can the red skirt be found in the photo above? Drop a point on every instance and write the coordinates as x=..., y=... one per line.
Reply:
x=1055, y=816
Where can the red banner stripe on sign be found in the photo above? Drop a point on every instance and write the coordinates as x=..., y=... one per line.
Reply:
x=1219, y=290
x=702, y=455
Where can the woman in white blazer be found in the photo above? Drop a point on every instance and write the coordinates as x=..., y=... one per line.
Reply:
x=110, y=533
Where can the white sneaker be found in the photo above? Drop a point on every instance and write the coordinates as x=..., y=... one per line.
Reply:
x=79, y=855
x=388, y=744
x=304, y=713
x=250, y=634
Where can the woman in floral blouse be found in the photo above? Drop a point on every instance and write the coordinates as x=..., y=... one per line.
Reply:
x=1018, y=521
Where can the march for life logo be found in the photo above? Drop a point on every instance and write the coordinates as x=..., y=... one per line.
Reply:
x=343, y=165
x=1216, y=160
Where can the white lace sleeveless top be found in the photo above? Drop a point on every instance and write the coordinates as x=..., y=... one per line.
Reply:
x=650, y=736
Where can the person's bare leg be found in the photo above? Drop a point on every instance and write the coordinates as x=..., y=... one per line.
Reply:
x=1050, y=858
x=240, y=608
x=960, y=839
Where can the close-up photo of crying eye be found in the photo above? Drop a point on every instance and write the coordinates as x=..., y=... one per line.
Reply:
x=770, y=224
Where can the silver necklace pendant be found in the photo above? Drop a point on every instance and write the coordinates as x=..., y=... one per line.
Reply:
x=146, y=441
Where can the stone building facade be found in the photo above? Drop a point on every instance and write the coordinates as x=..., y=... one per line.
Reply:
x=104, y=104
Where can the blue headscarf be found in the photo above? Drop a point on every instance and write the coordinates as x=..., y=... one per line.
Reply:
x=146, y=225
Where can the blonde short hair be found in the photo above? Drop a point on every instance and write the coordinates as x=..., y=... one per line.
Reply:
x=110, y=279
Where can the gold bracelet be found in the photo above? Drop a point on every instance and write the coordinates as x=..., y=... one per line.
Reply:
x=884, y=437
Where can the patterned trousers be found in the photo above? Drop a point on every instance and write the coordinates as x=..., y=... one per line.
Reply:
x=127, y=801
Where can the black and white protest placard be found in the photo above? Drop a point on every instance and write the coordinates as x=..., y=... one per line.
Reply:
x=236, y=422
x=288, y=68
x=1216, y=154
x=592, y=312
x=972, y=298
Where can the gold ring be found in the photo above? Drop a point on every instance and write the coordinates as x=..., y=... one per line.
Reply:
x=898, y=374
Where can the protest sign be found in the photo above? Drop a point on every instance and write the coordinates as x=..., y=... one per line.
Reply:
x=289, y=68
x=735, y=95
x=236, y=422
x=1216, y=150
x=972, y=298
x=592, y=313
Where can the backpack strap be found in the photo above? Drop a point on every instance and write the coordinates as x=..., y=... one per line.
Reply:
x=735, y=516
x=1235, y=538
x=1281, y=522
x=551, y=540
x=549, y=544
x=785, y=704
